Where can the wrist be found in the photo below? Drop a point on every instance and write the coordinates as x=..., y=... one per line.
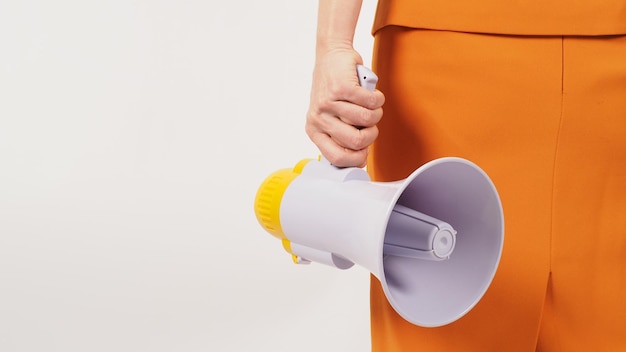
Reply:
x=329, y=46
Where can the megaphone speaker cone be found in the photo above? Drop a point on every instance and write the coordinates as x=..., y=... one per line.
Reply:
x=435, y=293
x=433, y=239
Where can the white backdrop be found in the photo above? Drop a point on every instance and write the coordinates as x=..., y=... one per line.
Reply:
x=133, y=137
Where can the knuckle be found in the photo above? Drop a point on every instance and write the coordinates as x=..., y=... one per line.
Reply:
x=358, y=140
x=342, y=157
x=335, y=90
x=324, y=104
x=375, y=100
x=315, y=121
x=309, y=130
x=364, y=117
x=372, y=101
x=368, y=118
x=335, y=157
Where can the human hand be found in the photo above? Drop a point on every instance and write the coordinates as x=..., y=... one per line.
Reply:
x=342, y=115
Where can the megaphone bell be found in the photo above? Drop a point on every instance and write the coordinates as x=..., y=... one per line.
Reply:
x=433, y=240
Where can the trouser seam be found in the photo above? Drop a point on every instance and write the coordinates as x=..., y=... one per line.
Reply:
x=556, y=153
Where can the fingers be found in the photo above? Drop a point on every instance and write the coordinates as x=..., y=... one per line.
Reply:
x=338, y=155
x=335, y=134
x=345, y=134
x=352, y=113
x=360, y=96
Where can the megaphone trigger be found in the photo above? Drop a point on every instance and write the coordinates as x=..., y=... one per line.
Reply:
x=367, y=78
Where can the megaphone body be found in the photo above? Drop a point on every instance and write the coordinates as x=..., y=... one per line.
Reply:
x=433, y=240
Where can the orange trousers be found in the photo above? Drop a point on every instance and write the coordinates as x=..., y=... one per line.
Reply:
x=545, y=117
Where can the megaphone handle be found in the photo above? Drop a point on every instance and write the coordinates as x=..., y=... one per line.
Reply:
x=367, y=79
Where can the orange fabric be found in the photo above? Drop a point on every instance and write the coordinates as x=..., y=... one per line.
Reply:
x=545, y=117
x=536, y=17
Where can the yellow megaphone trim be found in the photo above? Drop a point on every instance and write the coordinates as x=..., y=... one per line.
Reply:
x=269, y=196
x=287, y=246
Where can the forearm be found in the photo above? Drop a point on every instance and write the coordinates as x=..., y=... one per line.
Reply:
x=336, y=24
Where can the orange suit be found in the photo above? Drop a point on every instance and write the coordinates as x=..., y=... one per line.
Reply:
x=545, y=117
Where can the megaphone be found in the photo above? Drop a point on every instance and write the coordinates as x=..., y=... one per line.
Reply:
x=433, y=240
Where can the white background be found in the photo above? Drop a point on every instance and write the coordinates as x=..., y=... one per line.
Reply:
x=133, y=137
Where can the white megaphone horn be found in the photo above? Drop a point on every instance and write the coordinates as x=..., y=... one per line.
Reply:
x=433, y=240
